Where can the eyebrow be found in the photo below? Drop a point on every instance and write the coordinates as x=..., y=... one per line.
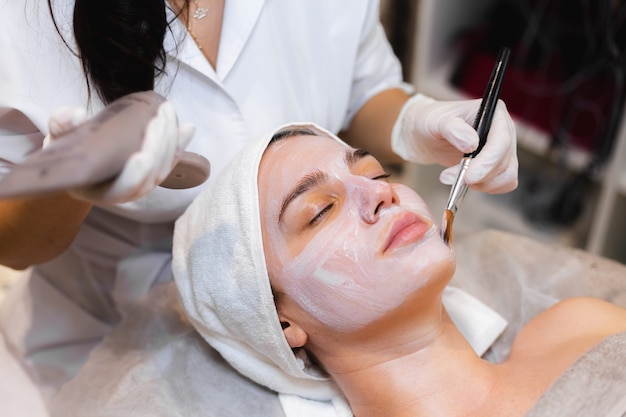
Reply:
x=318, y=178
x=352, y=158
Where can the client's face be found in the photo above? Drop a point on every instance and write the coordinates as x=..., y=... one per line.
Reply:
x=343, y=244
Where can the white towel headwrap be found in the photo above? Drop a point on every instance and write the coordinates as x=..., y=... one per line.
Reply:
x=220, y=270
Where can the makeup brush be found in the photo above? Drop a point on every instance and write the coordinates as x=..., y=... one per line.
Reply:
x=482, y=124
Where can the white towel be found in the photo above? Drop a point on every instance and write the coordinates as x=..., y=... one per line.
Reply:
x=479, y=324
x=219, y=268
x=295, y=406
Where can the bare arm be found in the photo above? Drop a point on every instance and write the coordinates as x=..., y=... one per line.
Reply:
x=35, y=230
x=371, y=127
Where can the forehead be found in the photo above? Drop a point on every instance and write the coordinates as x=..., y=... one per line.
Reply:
x=301, y=153
x=304, y=143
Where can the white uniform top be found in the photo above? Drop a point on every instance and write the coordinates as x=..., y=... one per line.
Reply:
x=278, y=62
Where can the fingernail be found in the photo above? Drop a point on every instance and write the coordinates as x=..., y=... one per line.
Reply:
x=447, y=178
x=476, y=174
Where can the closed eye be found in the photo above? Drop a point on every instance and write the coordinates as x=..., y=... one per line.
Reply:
x=321, y=214
x=382, y=177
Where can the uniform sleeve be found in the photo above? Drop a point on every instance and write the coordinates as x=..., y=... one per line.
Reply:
x=377, y=68
x=38, y=73
x=18, y=138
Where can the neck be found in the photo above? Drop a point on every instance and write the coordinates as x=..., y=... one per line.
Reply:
x=435, y=374
x=206, y=28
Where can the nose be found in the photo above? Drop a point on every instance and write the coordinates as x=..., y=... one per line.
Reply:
x=375, y=196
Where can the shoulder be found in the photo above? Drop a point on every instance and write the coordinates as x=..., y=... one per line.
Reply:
x=589, y=313
x=577, y=323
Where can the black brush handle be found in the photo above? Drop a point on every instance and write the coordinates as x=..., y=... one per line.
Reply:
x=482, y=123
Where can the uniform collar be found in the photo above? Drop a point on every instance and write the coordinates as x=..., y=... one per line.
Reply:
x=239, y=21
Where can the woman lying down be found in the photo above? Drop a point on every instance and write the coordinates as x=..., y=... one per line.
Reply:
x=350, y=308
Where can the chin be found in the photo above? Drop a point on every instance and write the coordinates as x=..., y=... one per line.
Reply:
x=434, y=261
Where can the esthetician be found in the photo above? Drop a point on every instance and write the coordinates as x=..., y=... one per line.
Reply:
x=231, y=71
x=328, y=287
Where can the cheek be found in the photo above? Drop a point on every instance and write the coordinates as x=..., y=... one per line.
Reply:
x=324, y=271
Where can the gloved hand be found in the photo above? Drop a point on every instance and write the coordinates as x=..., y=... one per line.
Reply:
x=430, y=131
x=163, y=145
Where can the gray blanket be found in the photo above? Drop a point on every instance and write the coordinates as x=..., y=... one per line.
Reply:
x=594, y=386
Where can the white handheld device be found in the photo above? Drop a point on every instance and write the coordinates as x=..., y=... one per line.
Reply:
x=96, y=151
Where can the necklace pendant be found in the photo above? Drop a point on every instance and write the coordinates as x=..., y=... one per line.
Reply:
x=200, y=13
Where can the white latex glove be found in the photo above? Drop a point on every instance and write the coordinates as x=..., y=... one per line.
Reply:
x=163, y=144
x=430, y=131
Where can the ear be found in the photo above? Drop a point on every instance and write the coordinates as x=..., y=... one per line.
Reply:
x=295, y=335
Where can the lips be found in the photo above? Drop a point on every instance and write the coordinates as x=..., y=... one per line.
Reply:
x=406, y=229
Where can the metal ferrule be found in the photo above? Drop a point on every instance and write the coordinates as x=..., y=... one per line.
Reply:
x=459, y=187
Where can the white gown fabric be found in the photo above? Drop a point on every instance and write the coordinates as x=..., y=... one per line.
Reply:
x=278, y=62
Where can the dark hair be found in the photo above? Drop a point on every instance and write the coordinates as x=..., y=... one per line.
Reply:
x=120, y=44
x=289, y=132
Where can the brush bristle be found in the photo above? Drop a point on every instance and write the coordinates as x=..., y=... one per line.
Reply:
x=446, y=227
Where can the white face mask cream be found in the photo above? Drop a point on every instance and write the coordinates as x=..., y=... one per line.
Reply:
x=374, y=245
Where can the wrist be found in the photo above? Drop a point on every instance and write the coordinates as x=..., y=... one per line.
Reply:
x=404, y=134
